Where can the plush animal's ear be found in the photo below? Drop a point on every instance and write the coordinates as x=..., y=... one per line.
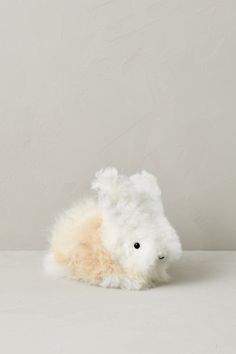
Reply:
x=146, y=183
x=105, y=181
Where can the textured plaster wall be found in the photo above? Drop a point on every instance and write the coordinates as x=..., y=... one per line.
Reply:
x=135, y=84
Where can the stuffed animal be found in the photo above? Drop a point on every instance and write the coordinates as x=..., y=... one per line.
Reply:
x=120, y=239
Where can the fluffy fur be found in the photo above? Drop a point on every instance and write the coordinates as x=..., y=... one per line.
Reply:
x=94, y=241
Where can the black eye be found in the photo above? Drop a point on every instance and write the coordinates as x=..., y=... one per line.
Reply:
x=136, y=245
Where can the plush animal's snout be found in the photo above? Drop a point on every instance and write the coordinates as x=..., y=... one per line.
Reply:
x=161, y=256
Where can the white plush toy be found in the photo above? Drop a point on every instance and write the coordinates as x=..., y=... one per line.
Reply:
x=121, y=239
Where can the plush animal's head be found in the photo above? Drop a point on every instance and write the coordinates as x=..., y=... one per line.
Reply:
x=135, y=229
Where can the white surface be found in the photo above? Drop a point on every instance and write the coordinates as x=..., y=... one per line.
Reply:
x=194, y=314
x=132, y=83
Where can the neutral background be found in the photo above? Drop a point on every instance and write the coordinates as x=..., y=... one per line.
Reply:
x=134, y=84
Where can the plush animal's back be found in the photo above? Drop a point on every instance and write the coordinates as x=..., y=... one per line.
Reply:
x=76, y=247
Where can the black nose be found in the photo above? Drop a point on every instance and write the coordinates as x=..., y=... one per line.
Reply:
x=161, y=257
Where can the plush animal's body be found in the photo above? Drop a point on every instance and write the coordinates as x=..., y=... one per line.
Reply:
x=121, y=239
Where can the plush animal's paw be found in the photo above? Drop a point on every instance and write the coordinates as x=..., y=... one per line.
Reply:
x=115, y=281
x=161, y=276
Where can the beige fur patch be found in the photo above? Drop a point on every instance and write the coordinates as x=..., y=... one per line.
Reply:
x=88, y=260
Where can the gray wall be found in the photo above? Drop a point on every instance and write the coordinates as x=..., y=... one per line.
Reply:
x=134, y=84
